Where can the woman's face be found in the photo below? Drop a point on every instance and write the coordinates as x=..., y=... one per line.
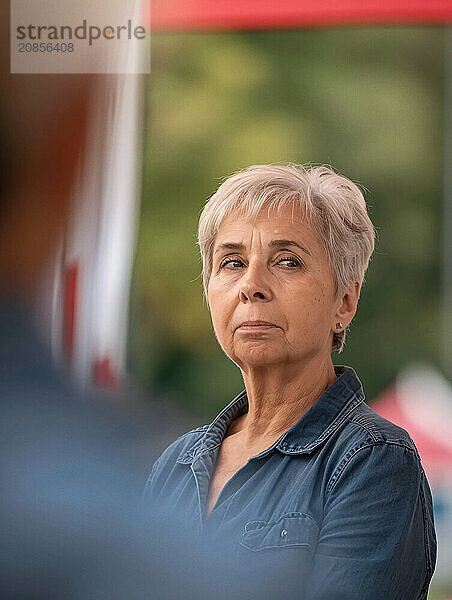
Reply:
x=275, y=270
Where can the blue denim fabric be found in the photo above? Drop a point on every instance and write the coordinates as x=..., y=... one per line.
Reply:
x=337, y=508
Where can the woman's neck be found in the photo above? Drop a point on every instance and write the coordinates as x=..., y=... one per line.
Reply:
x=278, y=396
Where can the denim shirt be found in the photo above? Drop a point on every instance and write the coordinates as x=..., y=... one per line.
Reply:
x=337, y=508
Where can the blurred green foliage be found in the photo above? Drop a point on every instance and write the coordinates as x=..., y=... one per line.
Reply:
x=368, y=102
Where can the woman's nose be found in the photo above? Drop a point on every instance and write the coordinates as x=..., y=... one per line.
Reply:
x=254, y=288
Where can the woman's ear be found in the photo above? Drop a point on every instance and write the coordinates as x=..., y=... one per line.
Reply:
x=347, y=307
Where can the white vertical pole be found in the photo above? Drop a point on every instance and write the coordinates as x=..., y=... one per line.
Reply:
x=92, y=276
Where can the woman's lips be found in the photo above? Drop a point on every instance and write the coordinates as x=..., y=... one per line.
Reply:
x=256, y=326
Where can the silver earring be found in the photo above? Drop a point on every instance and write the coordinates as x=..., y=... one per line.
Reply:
x=339, y=326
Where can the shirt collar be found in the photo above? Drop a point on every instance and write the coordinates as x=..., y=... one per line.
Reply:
x=314, y=427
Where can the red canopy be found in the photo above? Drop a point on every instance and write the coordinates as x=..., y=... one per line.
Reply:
x=271, y=14
x=435, y=449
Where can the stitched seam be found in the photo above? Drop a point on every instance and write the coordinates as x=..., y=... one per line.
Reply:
x=428, y=565
x=198, y=491
x=336, y=423
x=294, y=543
x=371, y=430
x=345, y=461
x=183, y=454
x=359, y=392
x=227, y=408
x=366, y=428
x=333, y=427
x=288, y=545
x=342, y=466
x=289, y=515
x=207, y=450
x=197, y=430
x=360, y=427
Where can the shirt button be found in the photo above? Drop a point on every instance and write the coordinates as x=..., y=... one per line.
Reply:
x=283, y=533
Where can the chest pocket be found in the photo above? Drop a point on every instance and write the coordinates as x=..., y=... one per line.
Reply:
x=291, y=530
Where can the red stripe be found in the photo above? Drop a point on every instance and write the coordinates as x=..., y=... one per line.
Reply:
x=268, y=14
x=70, y=309
x=104, y=375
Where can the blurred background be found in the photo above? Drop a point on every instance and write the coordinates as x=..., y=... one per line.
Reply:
x=367, y=101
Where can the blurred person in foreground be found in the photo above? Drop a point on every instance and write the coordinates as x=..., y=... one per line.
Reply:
x=69, y=528
x=300, y=488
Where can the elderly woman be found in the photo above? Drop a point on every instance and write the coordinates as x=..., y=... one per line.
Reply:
x=301, y=488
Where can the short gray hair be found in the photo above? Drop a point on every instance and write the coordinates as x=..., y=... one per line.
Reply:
x=333, y=204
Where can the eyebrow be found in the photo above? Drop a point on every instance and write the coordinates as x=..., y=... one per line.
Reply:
x=272, y=244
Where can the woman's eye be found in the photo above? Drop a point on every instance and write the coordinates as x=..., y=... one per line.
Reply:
x=236, y=263
x=231, y=263
x=290, y=262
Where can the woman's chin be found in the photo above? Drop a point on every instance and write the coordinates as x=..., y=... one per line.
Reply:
x=255, y=354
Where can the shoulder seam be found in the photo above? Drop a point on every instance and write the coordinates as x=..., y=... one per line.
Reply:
x=428, y=565
x=365, y=426
x=376, y=435
x=354, y=451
